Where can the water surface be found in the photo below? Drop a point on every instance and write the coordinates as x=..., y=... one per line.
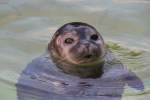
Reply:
x=26, y=28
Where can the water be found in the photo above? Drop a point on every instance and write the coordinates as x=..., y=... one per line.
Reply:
x=27, y=26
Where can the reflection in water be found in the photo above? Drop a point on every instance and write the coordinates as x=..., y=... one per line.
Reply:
x=41, y=80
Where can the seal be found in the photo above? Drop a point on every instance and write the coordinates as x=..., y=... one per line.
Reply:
x=78, y=49
x=76, y=66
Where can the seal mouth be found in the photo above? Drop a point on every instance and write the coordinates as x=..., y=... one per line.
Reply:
x=88, y=56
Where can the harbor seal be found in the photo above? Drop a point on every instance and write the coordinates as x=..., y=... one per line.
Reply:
x=76, y=66
x=78, y=49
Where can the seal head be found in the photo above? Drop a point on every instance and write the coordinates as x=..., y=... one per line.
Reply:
x=78, y=48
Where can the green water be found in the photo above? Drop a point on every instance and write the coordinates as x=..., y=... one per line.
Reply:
x=26, y=28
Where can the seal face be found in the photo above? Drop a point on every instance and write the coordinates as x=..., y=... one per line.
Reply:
x=78, y=44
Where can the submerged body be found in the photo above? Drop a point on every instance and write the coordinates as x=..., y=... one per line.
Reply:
x=42, y=80
x=77, y=66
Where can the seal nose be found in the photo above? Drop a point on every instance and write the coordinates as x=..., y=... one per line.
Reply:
x=86, y=43
x=88, y=50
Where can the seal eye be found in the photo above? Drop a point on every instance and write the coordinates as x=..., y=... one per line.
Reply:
x=94, y=37
x=69, y=41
